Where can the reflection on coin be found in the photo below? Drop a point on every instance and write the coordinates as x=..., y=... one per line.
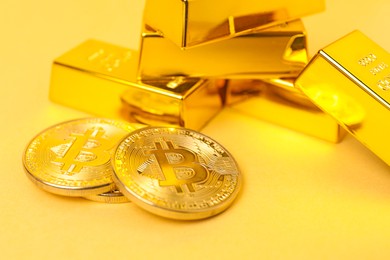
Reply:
x=112, y=196
x=176, y=172
x=73, y=158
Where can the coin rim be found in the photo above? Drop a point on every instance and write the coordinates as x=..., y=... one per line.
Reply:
x=173, y=213
x=108, y=197
x=63, y=190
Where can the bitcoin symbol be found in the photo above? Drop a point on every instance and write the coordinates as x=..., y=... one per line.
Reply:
x=179, y=166
x=88, y=149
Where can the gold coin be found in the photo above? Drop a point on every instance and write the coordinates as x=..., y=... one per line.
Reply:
x=73, y=158
x=112, y=196
x=176, y=172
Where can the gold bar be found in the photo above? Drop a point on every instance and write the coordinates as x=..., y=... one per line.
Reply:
x=350, y=80
x=278, y=102
x=183, y=101
x=92, y=76
x=279, y=51
x=100, y=78
x=191, y=23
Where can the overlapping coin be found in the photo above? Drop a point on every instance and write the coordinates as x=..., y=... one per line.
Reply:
x=73, y=158
x=176, y=172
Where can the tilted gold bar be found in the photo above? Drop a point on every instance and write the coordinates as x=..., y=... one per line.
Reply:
x=195, y=22
x=350, y=80
x=279, y=51
x=278, y=102
x=100, y=78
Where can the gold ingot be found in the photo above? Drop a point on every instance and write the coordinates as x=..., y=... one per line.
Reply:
x=175, y=101
x=191, y=23
x=92, y=76
x=278, y=102
x=350, y=80
x=279, y=51
x=100, y=78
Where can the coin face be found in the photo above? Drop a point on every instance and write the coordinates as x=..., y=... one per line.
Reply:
x=176, y=172
x=73, y=158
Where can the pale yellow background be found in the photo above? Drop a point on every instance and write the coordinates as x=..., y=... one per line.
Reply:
x=302, y=198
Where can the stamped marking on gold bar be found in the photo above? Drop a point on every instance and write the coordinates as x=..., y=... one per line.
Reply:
x=370, y=59
x=367, y=60
x=384, y=83
x=109, y=60
x=376, y=70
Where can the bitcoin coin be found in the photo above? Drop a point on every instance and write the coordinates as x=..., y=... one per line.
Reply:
x=176, y=172
x=74, y=158
x=112, y=196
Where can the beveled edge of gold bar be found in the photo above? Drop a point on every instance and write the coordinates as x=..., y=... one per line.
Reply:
x=184, y=41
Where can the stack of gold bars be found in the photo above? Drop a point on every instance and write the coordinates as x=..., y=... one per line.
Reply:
x=196, y=57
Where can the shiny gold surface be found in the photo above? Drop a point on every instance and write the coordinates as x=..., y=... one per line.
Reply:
x=180, y=101
x=301, y=197
x=73, y=158
x=92, y=76
x=279, y=51
x=176, y=173
x=278, y=102
x=285, y=88
x=350, y=80
x=95, y=76
x=190, y=23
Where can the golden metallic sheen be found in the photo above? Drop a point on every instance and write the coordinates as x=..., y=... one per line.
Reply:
x=350, y=80
x=92, y=76
x=278, y=51
x=176, y=173
x=100, y=78
x=73, y=158
x=195, y=22
x=173, y=101
x=279, y=102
